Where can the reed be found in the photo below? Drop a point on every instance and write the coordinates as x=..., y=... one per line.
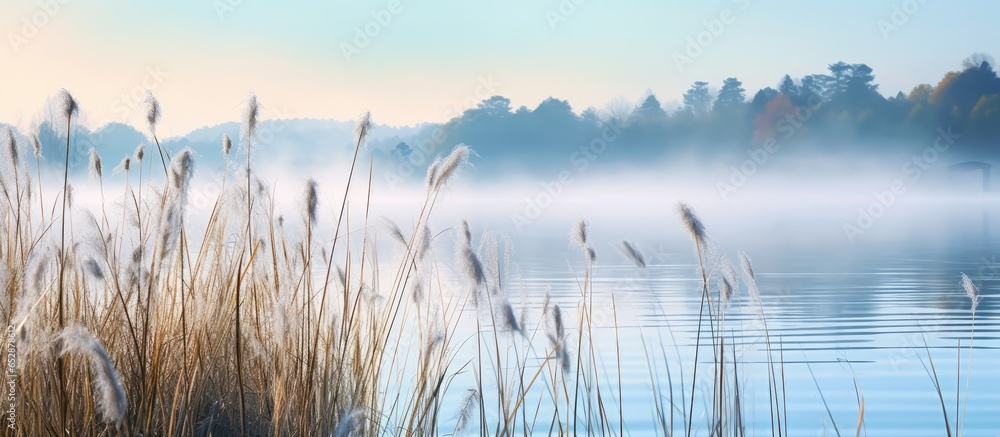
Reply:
x=150, y=325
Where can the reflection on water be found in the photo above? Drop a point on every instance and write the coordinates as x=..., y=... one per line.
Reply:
x=867, y=313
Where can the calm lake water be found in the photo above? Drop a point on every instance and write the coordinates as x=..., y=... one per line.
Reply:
x=853, y=312
x=855, y=309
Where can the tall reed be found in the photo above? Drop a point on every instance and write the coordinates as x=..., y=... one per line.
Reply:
x=167, y=327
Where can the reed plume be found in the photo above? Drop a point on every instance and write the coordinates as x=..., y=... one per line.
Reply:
x=310, y=202
x=227, y=145
x=450, y=165
x=151, y=108
x=556, y=333
x=579, y=233
x=725, y=287
x=111, y=395
x=251, y=110
x=971, y=290
x=66, y=105
x=93, y=268
x=181, y=172
x=36, y=145
x=363, y=128
x=728, y=276
x=124, y=165
x=692, y=223
x=747, y=267
x=395, y=232
x=633, y=254
x=96, y=170
x=508, y=321
x=423, y=243
x=11, y=143
x=432, y=171
x=578, y=236
x=469, y=404
x=36, y=272
x=139, y=153
x=468, y=262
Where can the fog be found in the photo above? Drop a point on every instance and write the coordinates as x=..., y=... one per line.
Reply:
x=786, y=202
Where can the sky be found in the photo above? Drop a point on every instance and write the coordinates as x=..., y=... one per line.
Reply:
x=420, y=61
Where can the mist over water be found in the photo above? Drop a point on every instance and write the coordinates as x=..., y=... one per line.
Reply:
x=855, y=275
x=556, y=217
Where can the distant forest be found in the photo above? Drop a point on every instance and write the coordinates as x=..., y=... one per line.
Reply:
x=837, y=111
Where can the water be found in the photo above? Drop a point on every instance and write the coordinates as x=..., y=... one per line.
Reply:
x=864, y=317
x=855, y=311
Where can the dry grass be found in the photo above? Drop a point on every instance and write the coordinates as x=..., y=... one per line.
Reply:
x=135, y=323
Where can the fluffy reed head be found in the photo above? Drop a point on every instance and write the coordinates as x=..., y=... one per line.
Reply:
x=96, y=169
x=464, y=234
x=94, y=269
x=558, y=329
x=140, y=152
x=182, y=169
x=507, y=319
x=310, y=202
x=250, y=113
x=395, y=232
x=747, y=267
x=423, y=242
x=450, y=165
x=578, y=234
x=36, y=144
x=227, y=145
x=556, y=333
x=10, y=141
x=971, y=290
x=432, y=171
x=750, y=279
x=363, y=128
x=69, y=195
x=111, y=396
x=66, y=105
x=727, y=281
x=633, y=254
x=468, y=262
x=465, y=416
x=692, y=223
x=151, y=108
x=125, y=165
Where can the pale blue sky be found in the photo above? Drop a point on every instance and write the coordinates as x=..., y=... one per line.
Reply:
x=433, y=56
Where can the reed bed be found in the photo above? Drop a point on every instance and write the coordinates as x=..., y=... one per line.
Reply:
x=129, y=321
